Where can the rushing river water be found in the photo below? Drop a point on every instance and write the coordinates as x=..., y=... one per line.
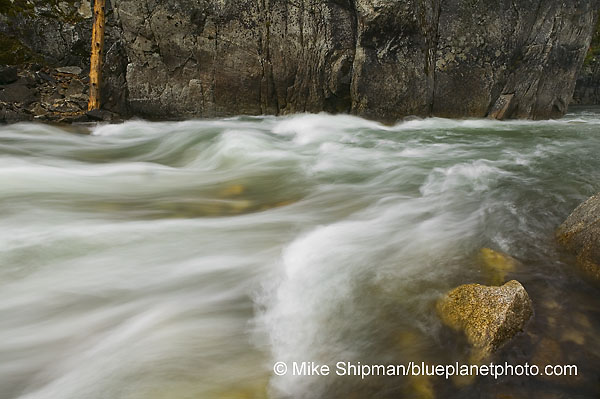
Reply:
x=182, y=260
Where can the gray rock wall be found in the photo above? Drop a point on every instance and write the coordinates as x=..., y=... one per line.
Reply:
x=381, y=59
x=376, y=58
x=209, y=58
x=51, y=33
x=587, y=89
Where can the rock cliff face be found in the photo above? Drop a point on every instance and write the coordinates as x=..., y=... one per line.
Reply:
x=45, y=31
x=378, y=59
x=40, y=37
x=587, y=89
x=381, y=59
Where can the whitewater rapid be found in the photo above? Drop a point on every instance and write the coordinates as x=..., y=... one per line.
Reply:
x=182, y=259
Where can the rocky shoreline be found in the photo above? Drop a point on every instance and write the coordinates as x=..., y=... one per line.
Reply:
x=44, y=94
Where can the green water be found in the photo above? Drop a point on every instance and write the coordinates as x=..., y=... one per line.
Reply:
x=182, y=260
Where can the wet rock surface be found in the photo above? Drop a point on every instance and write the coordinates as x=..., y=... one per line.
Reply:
x=580, y=234
x=488, y=316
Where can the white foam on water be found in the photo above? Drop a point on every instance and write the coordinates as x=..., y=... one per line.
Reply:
x=181, y=259
x=318, y=128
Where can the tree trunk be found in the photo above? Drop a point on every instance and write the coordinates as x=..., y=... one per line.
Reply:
x=96, y=59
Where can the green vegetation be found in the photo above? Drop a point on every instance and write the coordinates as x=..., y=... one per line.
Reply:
x=13, y=52
x=11, y=8
x=20, y=14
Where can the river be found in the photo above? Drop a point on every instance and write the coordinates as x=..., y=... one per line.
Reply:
x=181, y=260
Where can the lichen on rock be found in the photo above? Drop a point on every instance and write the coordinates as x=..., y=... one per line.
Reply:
x=488, y=316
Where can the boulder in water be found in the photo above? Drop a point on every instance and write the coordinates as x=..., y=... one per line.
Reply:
x=489, y=316
x=580, y=234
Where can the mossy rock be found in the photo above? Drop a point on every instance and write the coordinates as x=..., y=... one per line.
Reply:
x=12, y=8
x=14, y=52
x=488, y=316
x=52, y=9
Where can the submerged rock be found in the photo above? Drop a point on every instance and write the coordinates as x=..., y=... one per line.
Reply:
x=580, y=234
x=572, y=335
x=420, y=387
x=488, y=316
x=497, y=265
x=232, y=191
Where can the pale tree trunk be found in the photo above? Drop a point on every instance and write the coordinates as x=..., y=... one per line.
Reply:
x=96, y=59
